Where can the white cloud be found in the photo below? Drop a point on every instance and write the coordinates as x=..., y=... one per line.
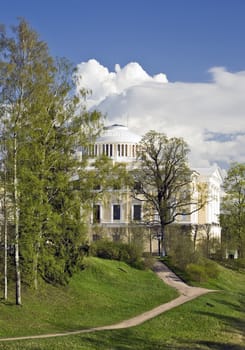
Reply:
x=193, y=111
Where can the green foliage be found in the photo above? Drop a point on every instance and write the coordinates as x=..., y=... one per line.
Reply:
x=164, y=180
x=43, y=125
x=196, y=272
x=202, y=271
x=233, y=209
x=180, y=246
x=234, y=264
x=129, y=253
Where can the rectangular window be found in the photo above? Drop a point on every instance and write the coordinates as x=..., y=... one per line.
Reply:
x=137, y=212
x=116, y=212
x=137, y=186
x=97, y=187
x=96, y=237
x=96, y=214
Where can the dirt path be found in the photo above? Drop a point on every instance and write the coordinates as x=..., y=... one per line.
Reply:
x=187, y=293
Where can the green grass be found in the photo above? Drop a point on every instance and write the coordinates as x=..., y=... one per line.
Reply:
x=214, y=321
x=104, y=293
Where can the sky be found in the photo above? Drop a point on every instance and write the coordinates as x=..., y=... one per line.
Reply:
x=175, y=66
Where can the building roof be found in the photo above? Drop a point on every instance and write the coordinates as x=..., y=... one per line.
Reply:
x=211, y=172
x=118, y=133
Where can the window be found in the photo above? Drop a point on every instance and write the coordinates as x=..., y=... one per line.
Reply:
x=122, y=148
x=116, y=212
x=137, y=212
x=96, y=214
x=133, y=151
x=137, y=187
x=96, y=237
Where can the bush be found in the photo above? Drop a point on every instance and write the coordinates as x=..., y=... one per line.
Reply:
x=240, y=263
x=211, y=268
x=203, y=270
x=149, y=261
x=234, y=264
x=196, y=272
x=129, y=253
x=105, y=249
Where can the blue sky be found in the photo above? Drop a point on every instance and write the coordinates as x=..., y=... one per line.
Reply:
x=180, y=64
x=182, y=38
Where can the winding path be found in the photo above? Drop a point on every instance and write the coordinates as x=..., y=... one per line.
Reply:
x=187, y=293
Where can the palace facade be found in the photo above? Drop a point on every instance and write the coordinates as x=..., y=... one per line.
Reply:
x=121, y=217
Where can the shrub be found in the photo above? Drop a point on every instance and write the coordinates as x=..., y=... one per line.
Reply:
x=149, y=261
x=105, y=249
x=196, y=272
x=129, y=253
x=211, y=268
x=203, y=270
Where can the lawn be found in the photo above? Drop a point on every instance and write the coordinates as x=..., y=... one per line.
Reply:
x=213, y=321
x=103, y=293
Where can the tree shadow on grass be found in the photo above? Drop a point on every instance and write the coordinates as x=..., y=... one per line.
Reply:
x=233, y=323
x=126, y=341
x=220, y=346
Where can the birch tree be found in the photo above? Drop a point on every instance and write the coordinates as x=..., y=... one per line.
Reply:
x=44, y=128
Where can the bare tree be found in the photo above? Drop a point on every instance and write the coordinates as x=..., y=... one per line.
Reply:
x=163, y=179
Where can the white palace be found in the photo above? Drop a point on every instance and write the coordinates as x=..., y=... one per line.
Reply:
x=120, y=215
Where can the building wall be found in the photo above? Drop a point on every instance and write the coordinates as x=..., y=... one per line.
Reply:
x=115, y=145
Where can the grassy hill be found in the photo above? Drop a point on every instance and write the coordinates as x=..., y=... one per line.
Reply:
x=103, y=293
x=110, y=291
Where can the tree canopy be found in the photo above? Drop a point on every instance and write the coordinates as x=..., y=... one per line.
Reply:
x=164, y=181
x=42, y=126
x=233, y=209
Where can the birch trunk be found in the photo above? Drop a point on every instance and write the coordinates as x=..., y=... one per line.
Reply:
x=16, y=217
x=5, y=238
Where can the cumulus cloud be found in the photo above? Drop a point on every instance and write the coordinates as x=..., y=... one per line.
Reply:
x=209, y=116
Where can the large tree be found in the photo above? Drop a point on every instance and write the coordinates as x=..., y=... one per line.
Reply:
x=43, y=127
x=164, y=181
x=233, y=209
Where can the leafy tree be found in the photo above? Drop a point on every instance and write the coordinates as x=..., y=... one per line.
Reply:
x=43, y=129
x=233, y=209
x=164, y=180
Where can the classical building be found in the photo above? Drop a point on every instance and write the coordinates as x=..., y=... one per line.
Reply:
x=120, y=216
